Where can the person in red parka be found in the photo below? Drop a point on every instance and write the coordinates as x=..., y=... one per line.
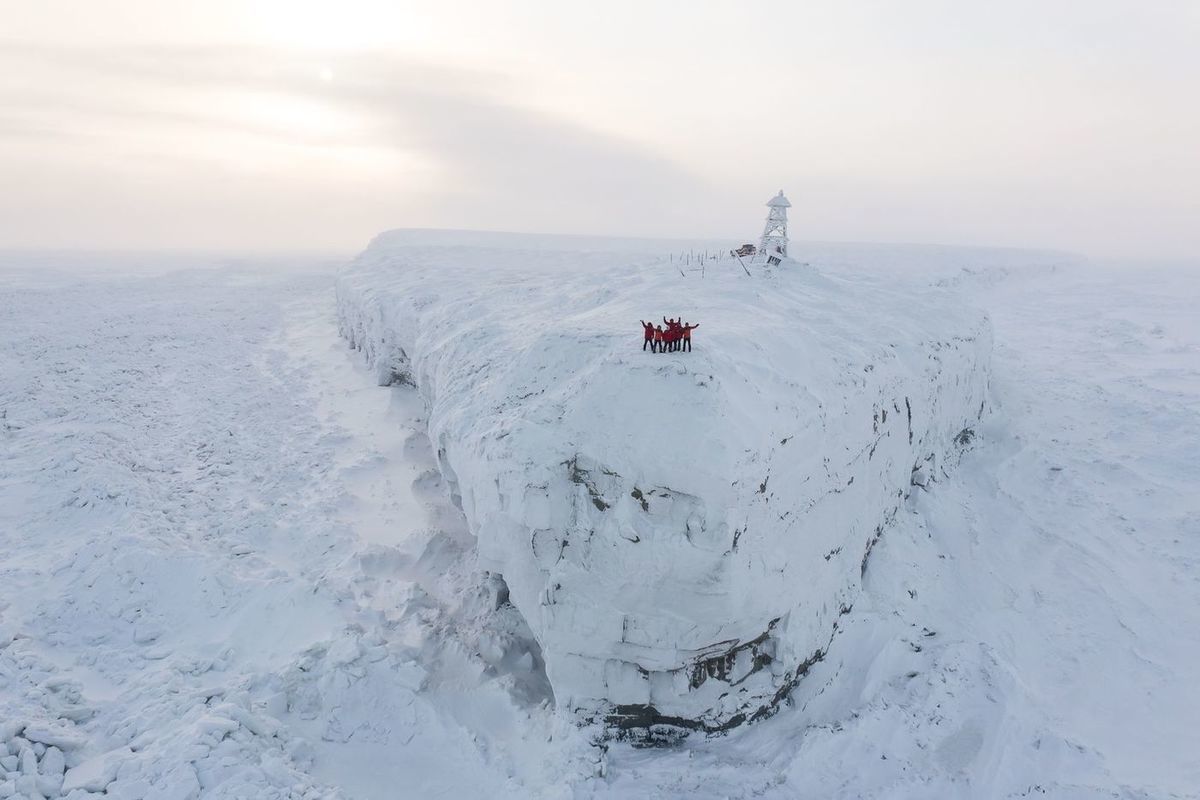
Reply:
x=648, y=329
x=673, y=333
x=659, y=339
x=686, y=332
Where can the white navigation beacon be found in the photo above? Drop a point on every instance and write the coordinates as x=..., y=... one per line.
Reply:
x=774, y=241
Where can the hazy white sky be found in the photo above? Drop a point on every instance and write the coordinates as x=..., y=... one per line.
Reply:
x=314, y=124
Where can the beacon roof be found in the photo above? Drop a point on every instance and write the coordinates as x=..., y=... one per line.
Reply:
x=779, y=201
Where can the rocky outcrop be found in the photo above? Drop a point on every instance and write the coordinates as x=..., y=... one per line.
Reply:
x=681, y=531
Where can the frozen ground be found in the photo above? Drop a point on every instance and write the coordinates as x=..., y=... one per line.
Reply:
x=227, y=567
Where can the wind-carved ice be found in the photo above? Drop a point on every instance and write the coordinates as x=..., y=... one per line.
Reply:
x=681, y=531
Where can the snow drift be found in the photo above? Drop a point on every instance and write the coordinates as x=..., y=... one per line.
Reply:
x=681, y=531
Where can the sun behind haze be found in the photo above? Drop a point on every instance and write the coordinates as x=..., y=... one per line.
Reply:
x=273, y=125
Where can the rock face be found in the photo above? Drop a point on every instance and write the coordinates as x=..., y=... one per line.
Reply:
x=682, y=530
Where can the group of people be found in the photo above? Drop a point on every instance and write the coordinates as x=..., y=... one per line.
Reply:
x=677, y=335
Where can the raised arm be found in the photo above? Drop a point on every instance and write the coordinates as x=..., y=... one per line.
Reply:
x=665, y=321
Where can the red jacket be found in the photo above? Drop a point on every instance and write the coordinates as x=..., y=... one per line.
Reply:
x=649, y=330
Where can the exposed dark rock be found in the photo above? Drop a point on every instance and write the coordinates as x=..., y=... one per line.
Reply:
x=719, y=666
x=644, y=726
x=398, y=376
x=908, y=408
x=581, y=476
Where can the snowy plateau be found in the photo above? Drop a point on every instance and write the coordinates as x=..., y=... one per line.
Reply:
x=682, y=532
x=910, y=522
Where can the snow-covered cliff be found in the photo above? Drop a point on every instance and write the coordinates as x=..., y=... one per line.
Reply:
x=682, y=531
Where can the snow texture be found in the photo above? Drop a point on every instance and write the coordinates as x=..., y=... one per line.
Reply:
x=229, y=567
x=681, y=531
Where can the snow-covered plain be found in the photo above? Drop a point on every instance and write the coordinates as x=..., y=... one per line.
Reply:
x=230, y=566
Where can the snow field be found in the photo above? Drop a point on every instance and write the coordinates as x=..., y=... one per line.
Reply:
x=1028, y=627
x=217, y=582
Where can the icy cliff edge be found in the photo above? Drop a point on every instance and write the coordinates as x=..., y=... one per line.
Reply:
x=682, y=530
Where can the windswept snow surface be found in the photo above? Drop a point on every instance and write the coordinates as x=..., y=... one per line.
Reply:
x=228, y=567
x=681, y=531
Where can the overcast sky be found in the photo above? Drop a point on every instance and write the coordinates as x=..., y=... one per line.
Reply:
x=314, y=124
